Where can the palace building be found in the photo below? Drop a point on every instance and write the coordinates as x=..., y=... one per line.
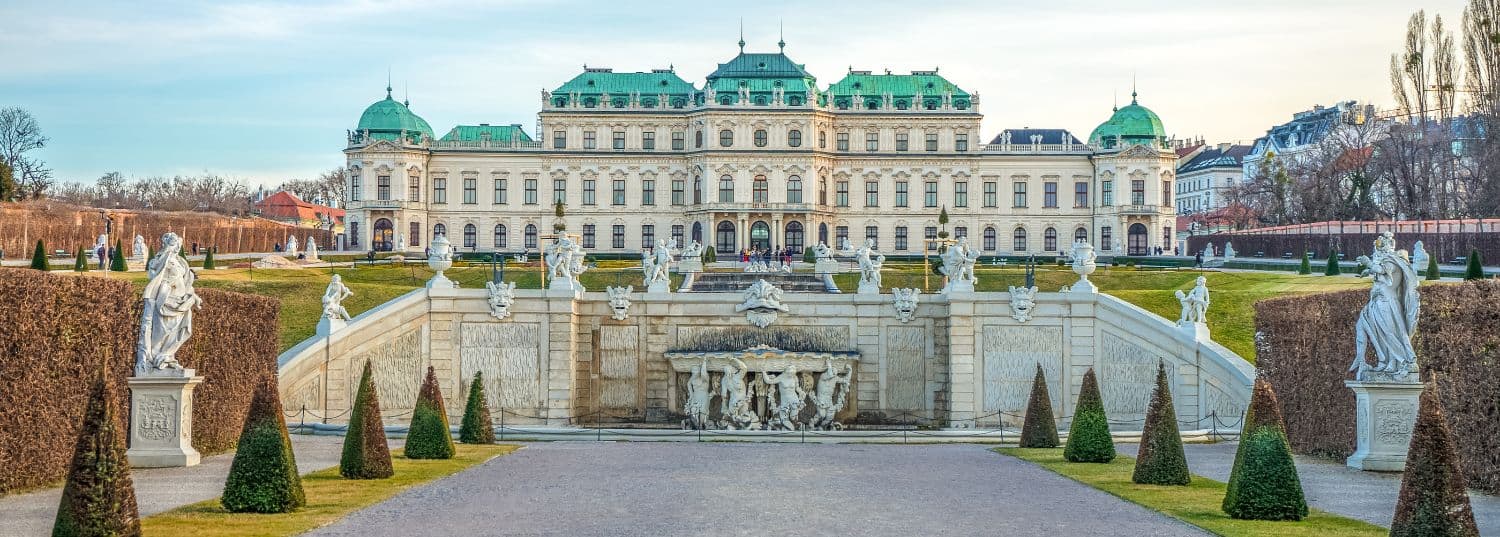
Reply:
x=759, y=155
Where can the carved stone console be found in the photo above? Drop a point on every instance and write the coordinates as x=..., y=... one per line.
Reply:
x=1385, y=415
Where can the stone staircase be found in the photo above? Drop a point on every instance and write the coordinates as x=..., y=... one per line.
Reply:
x=735, y=282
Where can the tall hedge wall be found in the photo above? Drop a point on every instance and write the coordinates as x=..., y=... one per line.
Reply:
x=1444, y=245
x=59, y=329
x=1304, y=346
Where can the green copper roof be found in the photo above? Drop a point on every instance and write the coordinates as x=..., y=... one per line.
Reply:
x=493, y=133
x=387, y=118
x=593, y=83
x=760, y=65
x=762, y=73
x=1132, y=124
x=872, y=88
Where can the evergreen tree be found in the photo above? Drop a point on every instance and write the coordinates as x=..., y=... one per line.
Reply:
x=208, y=260
x=1475, y=270
x=81, y=262
x=1306, y=267
x=1263, y=483
x=429, y=436
x=1088, y=437
x=1433, y=271
x=99, y=499
x=1333, y=264
x=1039, y=429
x=1433, y=498
x=809, y=256
x=117, y=258
x=366, y=455
x=476, y=427
x=263, y=477
x=1160, y=460
x=39, y=257
x=709, y=256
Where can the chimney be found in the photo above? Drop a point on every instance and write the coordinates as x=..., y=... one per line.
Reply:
x=1224, y=147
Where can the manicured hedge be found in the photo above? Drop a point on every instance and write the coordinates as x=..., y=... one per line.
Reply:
x=60, y=329
x=1306, y=344
x=1445, y=246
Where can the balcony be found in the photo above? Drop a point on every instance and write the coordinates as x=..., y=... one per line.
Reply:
x=385, y=204
x=1145, y=210
x=1042, y=149
x=755, y=207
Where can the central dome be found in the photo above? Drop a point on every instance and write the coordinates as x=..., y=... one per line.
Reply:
x=387, y=118
x=1133, y=124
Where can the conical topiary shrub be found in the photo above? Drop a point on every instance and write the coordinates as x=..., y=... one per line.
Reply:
x=1475, y=269
x=117, y=258
x=366, y=455
x=39, y=257
x=1333, y=264
x=1433, y=499
x=99, y=498
x=1306, y=266
x=1434, y=272
x=1039, y=429
x=709, y=256
x=809, y=256
x=1160, y=460
x=429, y=436
x=81, y=261
x=208, y=260
x=1263, y=483
x=476, y=427
x=263, y=477
x=1088, y=437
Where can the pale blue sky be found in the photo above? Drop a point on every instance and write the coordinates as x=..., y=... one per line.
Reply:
x=264, y=91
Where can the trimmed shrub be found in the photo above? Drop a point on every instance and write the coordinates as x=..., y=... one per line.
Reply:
x=709, y=256
x=1475, y=269
x=1433, y=498
x=429, y=436
x=117, y=258
x=1088, y=437
x=476, y=427
x=1306, y=267
x=81, y=261
x=263, y=477
x=99, y=498
x=1263, y=483
x=809, y=256
x=39, y=257
x=366, y=455
x=208, y=260
x=1160, y=460
x=1333, y=264
x=1434, y=272
x=1040, y=428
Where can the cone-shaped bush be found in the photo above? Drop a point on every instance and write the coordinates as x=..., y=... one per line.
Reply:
x=1433, y=271
x=263, y=477
x=81, y=261
x=476, y=428
x=1433, y=499
x=1263, y=484
x=1306, y=267
x=1040, y=429
x=117, y=258
x=366, y=455
x=98, y=498
x=809, y=256
x=208, y=260
x=429, y=436
x=39, y=257
x=1475, y=270
x=1333, y=264
x=1160, y=460
x=709, y=256
x=1088, y=438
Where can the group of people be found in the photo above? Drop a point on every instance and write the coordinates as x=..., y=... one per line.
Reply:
x=766, y=256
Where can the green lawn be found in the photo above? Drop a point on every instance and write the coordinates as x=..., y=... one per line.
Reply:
x=1197, y=504
x=329, y=498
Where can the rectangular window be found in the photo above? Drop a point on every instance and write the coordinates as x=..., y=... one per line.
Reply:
x=353, y=233
x=960, y=142
x=1020, y=195
x=440, y=190
x=932, y=141
x=901, y=238
x=991, y=194
x=679, y=187
x=1107, y=193
x=679, y=140
x=648, y=236
x=530, y=192
x=677, y=233
x=648, y=192
x=354, y=188
x=843, y=141
x=648, y=141
x=1137, y=192
x=901, y=192
x=617, y=196
x=502, y=194
x=559, y=139
x=841, y=194
x=872, y=193
x=1049, y=194
x=1106, y=238
x=1166, y=193
x=588, y=235
x=383, y=187
x=588, y=139
x=471, y=190
x=414, y=188
x=960, y=232
x=840, y=234
x=617, y=236
x=618, y=140
x=961, y=194
x=929, y=197
x=560, y=190
x=930, y=233
x=588, y=191
x=902, y=141
x=1080, y=194
x=872, y=236
x=872, y=141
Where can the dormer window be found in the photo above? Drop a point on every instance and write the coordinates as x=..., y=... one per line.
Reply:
x=762, y=66
x=663, y=83
x=930, y=85
x=776, y=83
x=857, y=85
x=591, y=83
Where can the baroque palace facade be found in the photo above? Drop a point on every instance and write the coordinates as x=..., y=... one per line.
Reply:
x=758, y=156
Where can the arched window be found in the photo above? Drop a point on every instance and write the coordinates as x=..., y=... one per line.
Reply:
x=794, y=138
x=1018, y=240
x=794, y=236
x=726, y=189
x=1049, y=240
x=381, y=240
x=698, y=232
x=726, y=99
x=761, y=138
x=794, y=189
x=760, y=100
x=794, y=101
x=726, y=138
x=823, y=191
x=872, y=104
x=822, y=140
x=698, y=139
x=530, y=236
x=725, y=238
x=1081, y=234
x=989, y=239
x=439, y=229
x=760, y=189
x=1138, y=242
x=471, y=236
x=500, y=235
x=823, y=233
x=697, y=190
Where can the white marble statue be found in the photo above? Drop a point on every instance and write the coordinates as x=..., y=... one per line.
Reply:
x=565, y=263
x=1389, y=319
x=762, y=303
x=101, y=242
x=1116, y=245
x=400, y=243
x=138, y=249
x=846, y=246
x=1194, y=303
x=694, y=250
x=500, y=297
x=734, y=400
x=312, y=249
x=958, y=266
x=1208, y=251
x=1419, y=255
x=790, y=397
x=821, y=251
x=906, y=303
x=869, y=268
x=619, y=301
x=671, y=245
x=333, y=299
x=656, y=265
x=1022, y=302
x=291, y=247
x=167, y=319
x=1083, y=265
x=696, y=404
x=829, y=396
x=1229, y=250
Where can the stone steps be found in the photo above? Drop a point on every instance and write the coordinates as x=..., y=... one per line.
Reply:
x=733, y=282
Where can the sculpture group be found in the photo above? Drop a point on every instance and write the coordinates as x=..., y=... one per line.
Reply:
x=167, y=319
x=785, y=393
x=656, y=265
x=869, y=268
x=958, y=266
x=1389, y=319
x=565, y=264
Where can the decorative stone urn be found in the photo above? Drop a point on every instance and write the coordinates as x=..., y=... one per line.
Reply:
x=1083, y=265
x=440, y=260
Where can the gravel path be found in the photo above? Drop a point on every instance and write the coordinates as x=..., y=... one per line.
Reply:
x=661, y=489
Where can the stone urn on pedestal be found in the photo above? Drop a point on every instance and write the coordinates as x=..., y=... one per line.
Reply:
x=1083, y=265
x=161, y=391
x=1385, y=393
x=440, y=260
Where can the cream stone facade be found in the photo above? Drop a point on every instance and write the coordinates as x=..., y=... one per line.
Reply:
x=761, y=156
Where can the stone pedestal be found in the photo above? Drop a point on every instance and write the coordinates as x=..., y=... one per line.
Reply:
x=659, y=286
x=1083, y=285
x=1386, y=412
x=565, y=284
x=1197, y=331
x=161, y=420
x=868, y=288
x=690, y=265
x=328, y=325
x=826, y=265
x=439, y=281
x=958, y=286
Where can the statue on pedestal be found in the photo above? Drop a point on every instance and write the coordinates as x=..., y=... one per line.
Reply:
x=958, y=266
x=138, y=249
x=333, y=299
x=1194, y=303
x=291, y=247
x=1389, y=319
x=656, y=265
x=312, y=250
x=167, y=320
x=869, y=269
x=565, y=263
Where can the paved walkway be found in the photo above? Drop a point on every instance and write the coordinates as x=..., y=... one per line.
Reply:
x=660, y=489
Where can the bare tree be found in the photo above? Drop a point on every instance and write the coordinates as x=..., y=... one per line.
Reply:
x=20, y=134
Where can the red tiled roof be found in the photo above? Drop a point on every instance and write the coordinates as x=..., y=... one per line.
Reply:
x=287, y=206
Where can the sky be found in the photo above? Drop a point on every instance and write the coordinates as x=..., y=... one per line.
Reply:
x=263, y=91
